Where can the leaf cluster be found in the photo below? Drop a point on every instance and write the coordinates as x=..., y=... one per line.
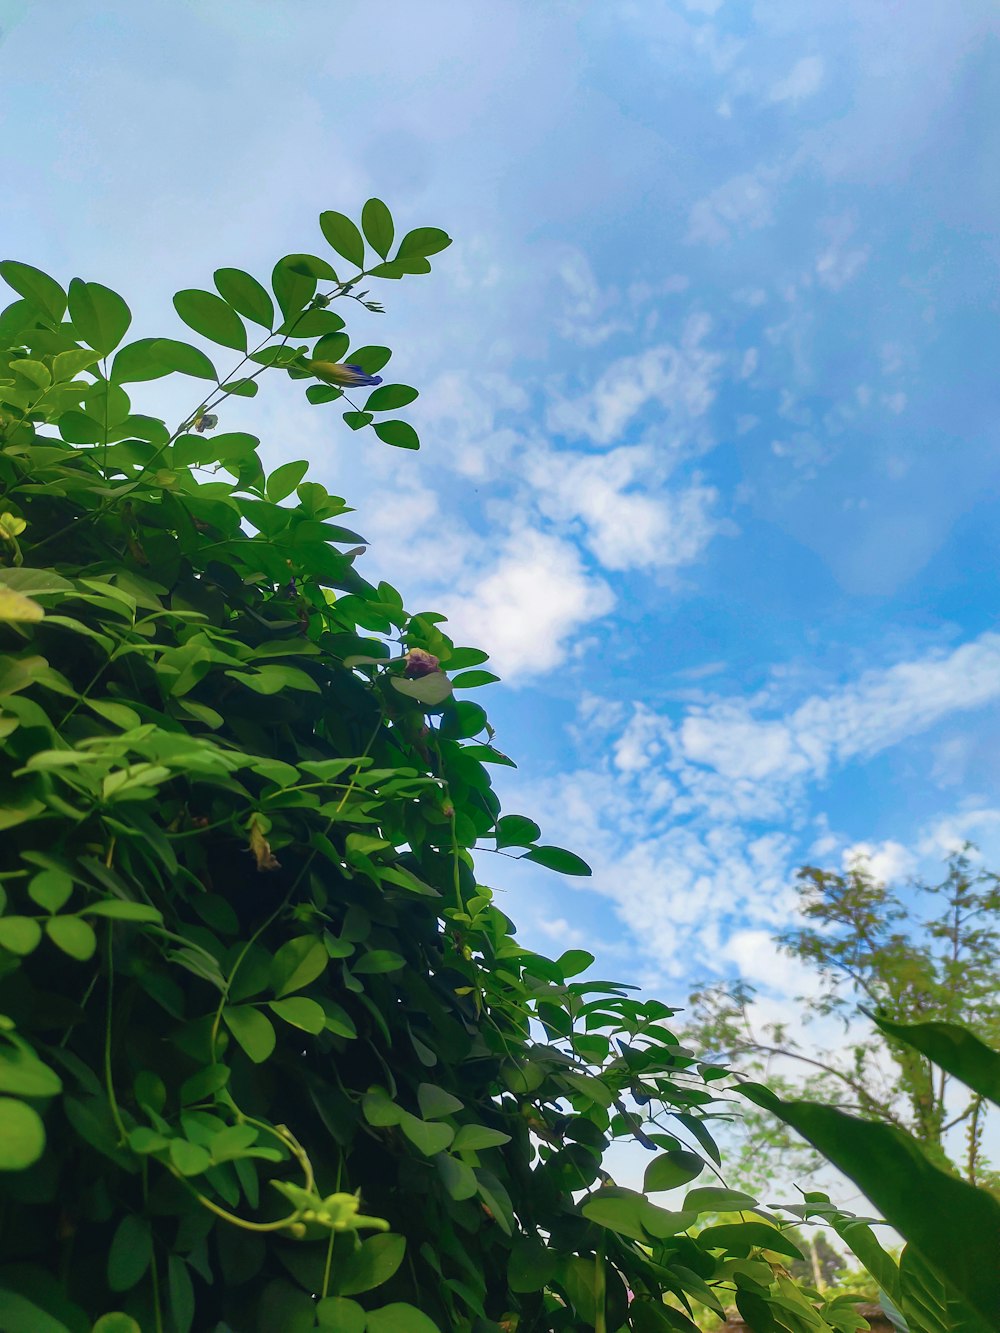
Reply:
x=271, y=1056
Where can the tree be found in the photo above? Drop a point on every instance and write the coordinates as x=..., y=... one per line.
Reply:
x=929, y=953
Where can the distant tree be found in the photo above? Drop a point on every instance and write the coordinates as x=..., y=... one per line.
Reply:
x=929, y=953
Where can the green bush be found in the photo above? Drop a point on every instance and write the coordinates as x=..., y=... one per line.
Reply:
x=272, y=1058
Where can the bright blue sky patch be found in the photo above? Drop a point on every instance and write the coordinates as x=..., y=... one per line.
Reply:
x=709, y=393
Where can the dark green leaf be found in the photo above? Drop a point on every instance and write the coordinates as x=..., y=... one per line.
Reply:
x=955, y=1049
x=955, y=1227
x=212, y=317
x=435, y=1102
x=400, y=434
x=372, y=1263
x=355, y=419
x=301, y=1013
x=152, y=358
x=376, y=221
x=556, y=858
x=252, y=1030
x=297, y=963
x=283, y=480
x=400, y=1318
x=421, y=242
x=389, y=397
x=671, y=1169
x=100, y=316
x=739, y=1237
x=516, y=831
x=130, y=1253
x=35, y=286
x=245, y=294
x=343, y=236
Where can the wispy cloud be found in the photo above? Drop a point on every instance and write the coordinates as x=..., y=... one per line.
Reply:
x=804, y=79
x=678, y=379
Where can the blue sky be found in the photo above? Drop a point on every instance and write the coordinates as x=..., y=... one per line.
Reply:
x=709, y=393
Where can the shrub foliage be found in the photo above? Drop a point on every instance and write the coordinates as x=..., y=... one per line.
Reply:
x=270, y=1054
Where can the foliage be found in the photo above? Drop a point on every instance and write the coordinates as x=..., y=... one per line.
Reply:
x=947, y=1277
x=271, y=1057
x=875, y=954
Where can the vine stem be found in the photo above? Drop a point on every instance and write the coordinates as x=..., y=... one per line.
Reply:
x=108, y=1080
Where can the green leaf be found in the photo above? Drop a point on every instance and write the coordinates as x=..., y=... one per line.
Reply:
x=17, y=609
x=118, y=909
x=557, y=858
x=297, y=963
x=212, y=317
x=620, y=1210
x=430, y=1138
x=283, y=480
x=35, y=286
x=343, y=236
x=435, y=1102
x=372, y=1263
x=458, y=1177
x=376, y=221
x=470, y=680
x=432, y=689
x=378, y=961
x=204, y=1083
x=20, y=934
x=421, y=242
x=301, y=1013
x=371, y=359
x=573, y=962
x=340, y=1315
x=152, y=358
x=116, y=1322
x=389, y=397
x=739, y=1237
x=955, y=1227
x=671, y=1169
x=130, y=1253
x=714, y=1199
x=252, y=1029
x=400, y=1318
x=356, y=419
x=31, y=1302
x=100, y=316
x=516, y=831
x=954, y=1049
x=73, y=936
x=190, y=1159
x=400, y=434
x=23, y=1073
x=473, y=1138
x=245, y=294
x=181, y=1290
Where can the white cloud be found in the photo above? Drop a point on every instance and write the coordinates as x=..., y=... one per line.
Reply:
x=585, y=318
x=803, y=80
x=629, y=522
x=744, y=202
x=837, y=265
x=674, y=816
x=528, y=603
x=887, y=861
x=678, y=378
x=880, y=709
